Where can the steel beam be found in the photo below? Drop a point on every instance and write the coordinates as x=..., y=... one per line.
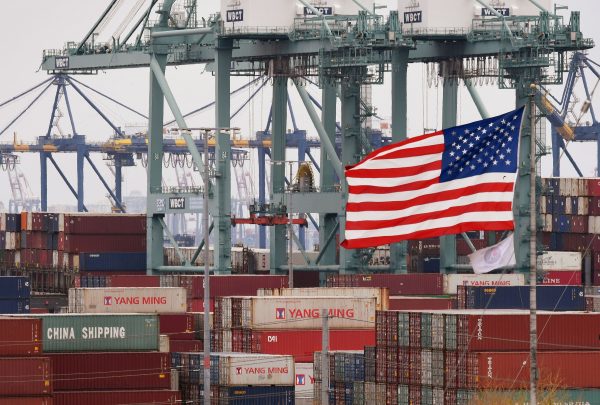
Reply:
x=81, y=151
x=44, y=180
x=222, y=215
x=328, y=223
x=62, y=175
x=119, y=181
x=449, y=105
x=277, y=239
x=351, y=152
x=399, y=118
x=154, y=234
x=104, y=183
x=262, y=173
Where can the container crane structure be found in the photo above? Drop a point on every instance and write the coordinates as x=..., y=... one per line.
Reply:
x=341, y=53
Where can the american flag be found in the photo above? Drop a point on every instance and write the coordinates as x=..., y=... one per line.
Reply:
x=451, y=181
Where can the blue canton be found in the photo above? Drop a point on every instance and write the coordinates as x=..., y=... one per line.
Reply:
x=485, y=146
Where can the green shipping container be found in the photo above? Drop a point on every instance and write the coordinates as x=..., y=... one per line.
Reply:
x=99, y=332
x=558, y=397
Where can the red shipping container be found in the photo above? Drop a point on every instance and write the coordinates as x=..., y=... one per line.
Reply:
x=105, y=224
x=511, y=370
x=303, y=343
x=186, y=346
x=401, y=284
x=122, y=280
x=594, y=206
x=231, y=285
x=593, y=187
x=61, y=241
x=197, y=305
x=177, y=326
x=27, y=376
x=561, y=278
x=117, y=397
x=510, y=331
x=111, y=371
x=105, y=243
x=420, y=303
x=20, y=336
x=27, y=401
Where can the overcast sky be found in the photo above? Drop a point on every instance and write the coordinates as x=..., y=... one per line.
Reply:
x=30, y=27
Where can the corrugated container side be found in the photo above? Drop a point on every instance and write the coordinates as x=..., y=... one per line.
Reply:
x=26, y=376
x=27, y=401
x=306, y=312
x=380, y=293
x=15, y=306
x=117, y=397
x=305, y=381
x=506, y=370
x=20, y=336
x=127, y=300
x=99, y=332
x=451, y=281
x=14, y=287
x=126, y=370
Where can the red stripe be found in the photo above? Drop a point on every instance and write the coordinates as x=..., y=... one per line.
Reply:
x=414, y=185
x=429, y=233
x=414, y=219
x=412, y=152
x=395, y=145
x=390, y=172
x=429, y=198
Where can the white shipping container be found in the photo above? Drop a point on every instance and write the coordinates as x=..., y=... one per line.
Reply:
x=557, y=261
x=426, y=375
x=592, y=224
x=227, y=340
x=305, y=382
x=127, y=300
x=452, y=281
x=2, y=221
x=568, y=206
x=575, y=187
x=543, y=204
x=255, y=369
x=381, y=294
x=306, y=312
x=582, y=206
x=562, y=186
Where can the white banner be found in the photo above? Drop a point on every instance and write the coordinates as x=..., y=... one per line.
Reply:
x=500, y=255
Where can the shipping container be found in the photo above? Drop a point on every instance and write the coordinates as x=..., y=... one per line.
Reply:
x=451, y=281
x=568, y=261
x=75, y=243
x=397, y=284
x=510, y=370
x=421, y=303
x=224, y=285
x=305, y=381
x=303, y=343
x=177, y=326
x=127, y=300
x=117, y=397
x=99, y=332
x=20, y=336
x=553, y=277
x=112, y=261
x=557, y=397
x=105, y=224
x=27, y=401
x=15, y=306
x=111, y=371
x=256, y=395
x=356, y=292
x=14, y=287
x=552, y=298
x=26, y=376
x=267, y=313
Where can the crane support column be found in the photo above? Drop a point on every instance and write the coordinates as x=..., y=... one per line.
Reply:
x=399, y=117
x=222, y=214
x=262, y=180
x=450, y=101
x=351, y=151
x=301, y=158
x=328, y=222
x=44, y=181
x=80, y=161
x=522, y=187
x=154, y=234
x=277, y=237
x=118, y=181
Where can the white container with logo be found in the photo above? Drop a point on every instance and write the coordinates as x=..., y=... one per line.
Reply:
x=127, y=300
x=255, y=369
x=452, y=281
x=560, y=261
x=306, y=312
x=382, y=294
x=305, y=382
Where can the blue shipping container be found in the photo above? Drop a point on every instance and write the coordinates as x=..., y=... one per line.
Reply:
x=112, y=261
x=14, y=306
x=274, y=395
x=549, y=298
x=14, y=287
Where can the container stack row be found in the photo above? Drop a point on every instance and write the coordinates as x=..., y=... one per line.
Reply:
x=251, y=379
x=50, y=247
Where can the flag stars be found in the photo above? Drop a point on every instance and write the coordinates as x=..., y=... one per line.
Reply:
x=507, y=162
x=477, y=138
x=452, y=153
x=495, y=162
x=491, y=124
